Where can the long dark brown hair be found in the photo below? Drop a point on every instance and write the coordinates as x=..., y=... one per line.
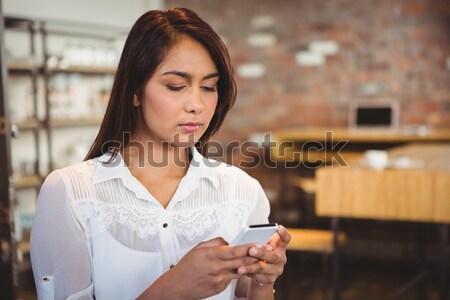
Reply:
x=146, y=47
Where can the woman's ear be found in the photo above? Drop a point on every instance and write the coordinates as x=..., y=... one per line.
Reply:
x=136, y=101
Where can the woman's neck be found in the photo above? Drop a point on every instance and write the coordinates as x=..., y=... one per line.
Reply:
x=168, y=160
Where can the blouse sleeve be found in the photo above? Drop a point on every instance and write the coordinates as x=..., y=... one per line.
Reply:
x=261, y=209
x=59, y=250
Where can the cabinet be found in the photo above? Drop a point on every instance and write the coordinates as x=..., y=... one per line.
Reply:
x=59, y=79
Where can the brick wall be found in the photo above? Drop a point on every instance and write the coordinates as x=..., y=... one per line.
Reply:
x=300, y=62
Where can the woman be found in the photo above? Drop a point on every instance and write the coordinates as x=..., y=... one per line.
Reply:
x=146, y=215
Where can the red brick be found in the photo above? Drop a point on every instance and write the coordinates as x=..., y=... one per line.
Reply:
x=401, y=46
x=414, y=9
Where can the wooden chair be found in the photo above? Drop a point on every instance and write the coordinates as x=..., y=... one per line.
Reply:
x=313, y=240
x=319, y=241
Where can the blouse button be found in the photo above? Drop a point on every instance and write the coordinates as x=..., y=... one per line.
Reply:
x=165, y=225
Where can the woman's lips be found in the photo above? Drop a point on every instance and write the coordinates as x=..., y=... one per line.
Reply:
x=190, y=127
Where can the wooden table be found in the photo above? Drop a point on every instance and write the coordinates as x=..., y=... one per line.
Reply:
x=420, y=194
x=417, y=194
x=314, y=144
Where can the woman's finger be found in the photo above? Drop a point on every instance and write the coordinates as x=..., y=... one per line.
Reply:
x=259, y=267
x=239, y=262
x=265, y=253
x=263, y=267
x=232, y=253
x=285, y=236
x=281, y=239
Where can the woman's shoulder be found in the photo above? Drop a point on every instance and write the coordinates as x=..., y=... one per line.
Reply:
x=66, y=174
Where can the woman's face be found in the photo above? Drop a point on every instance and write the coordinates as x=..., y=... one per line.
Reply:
x=180, y=98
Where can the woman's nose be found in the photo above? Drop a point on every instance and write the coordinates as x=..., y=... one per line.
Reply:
x=194, y=103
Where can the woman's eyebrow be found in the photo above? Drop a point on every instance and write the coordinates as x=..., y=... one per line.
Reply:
x=212, y=75
x=187, y=75
x=177, y=73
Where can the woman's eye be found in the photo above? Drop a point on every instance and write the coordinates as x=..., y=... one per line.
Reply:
x=175, y=88
x=209, y=88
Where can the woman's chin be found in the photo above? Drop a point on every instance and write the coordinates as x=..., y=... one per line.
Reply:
x=185, y=140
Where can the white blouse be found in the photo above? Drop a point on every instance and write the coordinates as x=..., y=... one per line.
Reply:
x=99, y=234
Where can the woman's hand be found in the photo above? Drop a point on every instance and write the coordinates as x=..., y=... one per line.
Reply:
x=271, y=259
x=204, y=271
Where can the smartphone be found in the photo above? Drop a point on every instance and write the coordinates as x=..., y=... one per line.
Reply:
x=259, y=234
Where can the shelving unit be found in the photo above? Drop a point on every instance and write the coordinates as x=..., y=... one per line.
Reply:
x=25, y=130
x=8, y=280
x=52, y=118
x=96, y=70
x=73, y=64
x=76, y=122
x=27, y=182
x=30, y=69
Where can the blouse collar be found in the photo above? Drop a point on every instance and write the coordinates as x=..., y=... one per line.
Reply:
x=200, y=167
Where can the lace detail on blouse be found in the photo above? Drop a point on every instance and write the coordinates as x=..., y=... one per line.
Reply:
x=97, y=217
x=194, y=224
x=98, y=206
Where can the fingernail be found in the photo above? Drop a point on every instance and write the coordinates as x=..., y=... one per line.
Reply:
x=268, y=247
x=253, y=251
x=241, y=270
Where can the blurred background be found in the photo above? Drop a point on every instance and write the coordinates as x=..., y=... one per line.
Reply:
x=342, y=114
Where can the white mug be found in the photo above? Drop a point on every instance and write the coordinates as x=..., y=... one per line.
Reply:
x=376, y=159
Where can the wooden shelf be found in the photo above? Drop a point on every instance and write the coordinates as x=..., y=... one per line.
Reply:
x=27, y=124
x=20, y=66
x=92, y=121
x=361, y=136
x=27, y=66
x=94, y=70
x=27, y=182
